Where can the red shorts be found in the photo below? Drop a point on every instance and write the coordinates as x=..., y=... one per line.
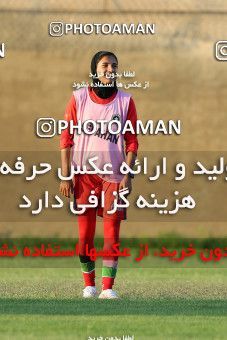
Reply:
x=83, y=184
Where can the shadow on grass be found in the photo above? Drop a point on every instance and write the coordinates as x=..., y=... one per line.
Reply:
x=164, y=306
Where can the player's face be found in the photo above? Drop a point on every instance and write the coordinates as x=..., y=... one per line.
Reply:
x=107, y=67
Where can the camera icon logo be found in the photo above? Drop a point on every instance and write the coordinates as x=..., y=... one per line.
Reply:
x=45, y=127
x=221, y=50
x=56, y=28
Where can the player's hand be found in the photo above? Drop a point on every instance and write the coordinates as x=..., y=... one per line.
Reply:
x=126, y=182
x=66, y=187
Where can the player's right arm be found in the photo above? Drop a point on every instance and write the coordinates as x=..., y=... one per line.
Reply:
x=66, y=142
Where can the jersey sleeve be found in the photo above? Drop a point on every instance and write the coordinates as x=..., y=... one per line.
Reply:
x=131, y=141
x=66, y=139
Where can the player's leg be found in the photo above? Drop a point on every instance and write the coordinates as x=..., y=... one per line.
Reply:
x=111, y=224
x=86, y=223
x=86, y=231
x=109, y=269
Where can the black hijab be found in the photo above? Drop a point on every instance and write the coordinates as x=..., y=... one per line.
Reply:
x=106, y=91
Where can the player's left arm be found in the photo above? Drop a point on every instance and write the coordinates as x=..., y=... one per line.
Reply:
x=131, y=145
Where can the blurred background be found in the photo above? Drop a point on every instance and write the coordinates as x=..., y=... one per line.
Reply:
x=186, y=81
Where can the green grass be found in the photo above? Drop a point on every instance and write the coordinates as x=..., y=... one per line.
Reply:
x=167, y=303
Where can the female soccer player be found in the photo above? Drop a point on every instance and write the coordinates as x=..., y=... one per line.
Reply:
x=104, y=101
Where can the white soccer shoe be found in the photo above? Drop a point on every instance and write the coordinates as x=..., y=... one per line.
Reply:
x=108, y=294
x=89, y=292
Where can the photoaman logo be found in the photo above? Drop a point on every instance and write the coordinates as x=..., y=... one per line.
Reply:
x=2, y=50
x=221, y=50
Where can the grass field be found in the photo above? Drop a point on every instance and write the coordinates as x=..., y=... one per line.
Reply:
x=155, y=303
